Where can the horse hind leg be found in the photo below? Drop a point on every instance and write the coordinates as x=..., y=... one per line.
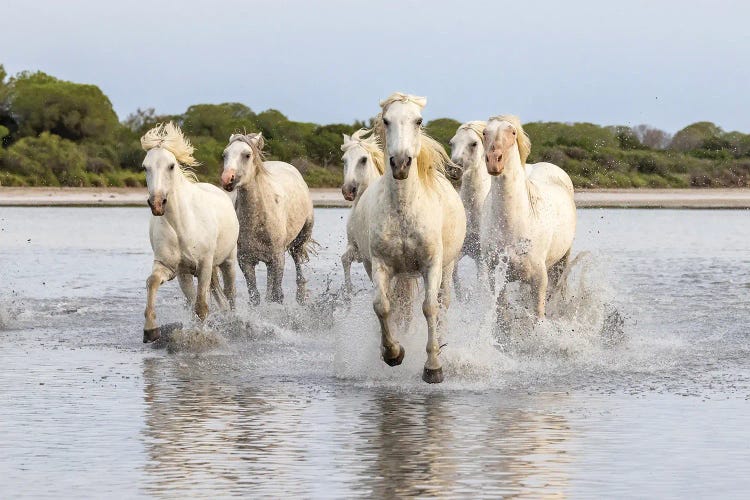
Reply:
x=229, y=275
x=217, y=292
x=300, y=249
x=187, y=286
x=274, y=291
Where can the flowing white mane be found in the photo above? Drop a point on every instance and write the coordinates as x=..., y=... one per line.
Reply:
x=370, y=144
x=432, y=159
x=476, y=126
x=170, y=137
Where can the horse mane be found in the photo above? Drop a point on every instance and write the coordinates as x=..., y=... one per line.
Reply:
x=370, y=144
x=522, y=138
x=252, y=141
x=432, y=159
x=476, y=126
x=170, y=137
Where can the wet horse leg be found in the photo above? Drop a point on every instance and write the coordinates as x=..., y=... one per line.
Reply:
x=392, y=352
x=159, y=274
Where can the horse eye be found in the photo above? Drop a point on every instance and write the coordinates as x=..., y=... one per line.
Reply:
x=386, y=122
x=474, y=144
x=363, y=160
x=419, y=122
x=247, y=155
x=171, y=167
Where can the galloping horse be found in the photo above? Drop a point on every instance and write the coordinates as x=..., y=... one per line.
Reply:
x=275, y=212
x=530, y=215
x=363, y=165
x=415, y=225
x=193, y=229
x=467, y=151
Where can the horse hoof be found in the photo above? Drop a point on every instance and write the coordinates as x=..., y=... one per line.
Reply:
x=161, y=333
x=151, y=335
x=433, y=376
x=398, y=359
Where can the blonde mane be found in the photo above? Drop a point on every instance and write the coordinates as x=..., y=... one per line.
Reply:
x=475, y=126
x=432, y=159
x=170, y=137
x=522, y=138
x=370, y=144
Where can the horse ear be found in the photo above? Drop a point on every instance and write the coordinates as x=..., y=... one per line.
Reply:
x=346, y=138
x=257, y=139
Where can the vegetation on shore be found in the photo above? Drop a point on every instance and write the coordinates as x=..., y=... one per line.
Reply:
x=59, y=133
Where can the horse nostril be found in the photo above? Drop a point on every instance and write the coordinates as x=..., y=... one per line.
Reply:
x=393, y=162
x=487, y=157
x=408, y=162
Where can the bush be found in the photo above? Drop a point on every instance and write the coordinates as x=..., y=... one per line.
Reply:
x=50, y=159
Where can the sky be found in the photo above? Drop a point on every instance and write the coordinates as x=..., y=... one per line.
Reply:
x=664, y=63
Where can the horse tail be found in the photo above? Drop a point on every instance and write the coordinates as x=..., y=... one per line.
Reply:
x=562, y=283
x=403, y=291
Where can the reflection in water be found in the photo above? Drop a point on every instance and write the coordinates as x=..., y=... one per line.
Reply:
x=209, y=434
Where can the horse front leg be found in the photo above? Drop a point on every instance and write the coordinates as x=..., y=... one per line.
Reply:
x=298, y=259
x=274, y=292
x=346, y=261
x=247, y=267
x=205, y=275
x=392, y=352
x=433, y=278
x=539, y=281
x=159, y=274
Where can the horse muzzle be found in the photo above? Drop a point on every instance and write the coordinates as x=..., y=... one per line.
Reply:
x=400, y=165
x=157, y=205
x=228, y=180
x=495, y=164
x=349, y=192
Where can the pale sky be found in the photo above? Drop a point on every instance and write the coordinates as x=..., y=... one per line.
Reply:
x=665, y=63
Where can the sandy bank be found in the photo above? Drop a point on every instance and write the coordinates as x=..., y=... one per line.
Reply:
x=331, y=197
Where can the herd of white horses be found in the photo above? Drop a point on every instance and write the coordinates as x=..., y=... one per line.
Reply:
x=407, y=222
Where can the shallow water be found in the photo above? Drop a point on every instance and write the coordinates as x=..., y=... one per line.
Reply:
x=638, y=385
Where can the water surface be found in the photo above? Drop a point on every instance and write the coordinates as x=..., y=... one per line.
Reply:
x=638, y=385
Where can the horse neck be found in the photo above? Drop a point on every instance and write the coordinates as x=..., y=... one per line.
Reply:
x=178, y=205
x=250, y=196
x=403, y=192
x=475, y=176
x=371, y=177
x=510, y=192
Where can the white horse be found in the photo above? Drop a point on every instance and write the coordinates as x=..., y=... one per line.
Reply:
x=467, y=151
x=275, y=213
x=415, y=225
x=530, y=215
x=363, y=165
x=193, y=229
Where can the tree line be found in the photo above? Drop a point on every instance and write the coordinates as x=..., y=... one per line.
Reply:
x=59, y=133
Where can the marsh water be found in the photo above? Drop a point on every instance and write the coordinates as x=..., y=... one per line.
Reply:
x=637, y=384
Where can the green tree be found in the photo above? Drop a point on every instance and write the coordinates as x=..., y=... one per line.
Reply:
x=442, y=130
x=218, y=120
x=42, y=103
x=323, y=146
x=694, y=136
x=47, y=160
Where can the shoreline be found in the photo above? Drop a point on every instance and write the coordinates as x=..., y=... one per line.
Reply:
x=738, y=198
